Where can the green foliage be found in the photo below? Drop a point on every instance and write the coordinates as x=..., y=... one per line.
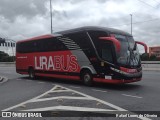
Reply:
x=4, y=57
x=145, y=57
x=153, y=58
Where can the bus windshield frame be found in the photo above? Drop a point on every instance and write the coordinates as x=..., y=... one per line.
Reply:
x=129, y=54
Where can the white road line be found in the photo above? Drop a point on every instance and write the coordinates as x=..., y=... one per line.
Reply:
x=60, y=91
x=106, y=103
x=99, y=90
x=8, y=72
x=101, y=101
x=60, y=97
x=15, y=106
x=29, y=80
x=41, y=82
x=74, y=87
x=69, y=108
x=132, y=96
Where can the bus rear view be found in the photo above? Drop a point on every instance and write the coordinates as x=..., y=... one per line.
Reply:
x=94, y=54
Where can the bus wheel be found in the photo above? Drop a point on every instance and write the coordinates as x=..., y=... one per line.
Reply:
x=87, y=78
x=31, y=73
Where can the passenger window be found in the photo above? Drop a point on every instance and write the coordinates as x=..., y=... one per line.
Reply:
x=106, y=51
x=81, y=39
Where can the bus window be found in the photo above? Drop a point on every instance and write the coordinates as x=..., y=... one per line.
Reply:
x=106, y=52
x=95, y=38
x=81, y=39
x=104, y=49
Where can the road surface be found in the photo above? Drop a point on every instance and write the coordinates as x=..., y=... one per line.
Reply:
x=20, y=93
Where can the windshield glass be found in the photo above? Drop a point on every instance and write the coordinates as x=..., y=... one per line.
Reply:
x=128, y=56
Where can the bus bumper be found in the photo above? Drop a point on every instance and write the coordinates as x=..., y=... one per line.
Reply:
x=113, y=81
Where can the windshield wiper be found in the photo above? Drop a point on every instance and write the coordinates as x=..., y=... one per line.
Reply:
x=131, y=57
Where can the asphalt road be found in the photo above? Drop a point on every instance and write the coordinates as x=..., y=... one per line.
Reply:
x=140, y=96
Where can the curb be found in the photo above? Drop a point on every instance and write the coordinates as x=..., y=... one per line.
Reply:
x=1, y=79
x=144, y=69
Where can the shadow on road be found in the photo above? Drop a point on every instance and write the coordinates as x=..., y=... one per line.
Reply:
x=121, y=87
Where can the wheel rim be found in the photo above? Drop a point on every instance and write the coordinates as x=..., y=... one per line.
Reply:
x=31, y=74
x=87, y=78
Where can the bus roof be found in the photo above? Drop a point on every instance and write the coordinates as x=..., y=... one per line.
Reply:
x=37, y=38
x=110, y=30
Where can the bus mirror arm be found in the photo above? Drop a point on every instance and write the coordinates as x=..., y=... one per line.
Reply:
x=116, y=42
x=143, y=44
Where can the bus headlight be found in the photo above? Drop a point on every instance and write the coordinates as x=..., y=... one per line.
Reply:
x=102, y=63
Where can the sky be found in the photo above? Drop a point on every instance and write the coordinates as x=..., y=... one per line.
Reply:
x=22, y=19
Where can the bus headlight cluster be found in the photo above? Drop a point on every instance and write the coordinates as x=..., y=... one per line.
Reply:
x=126, y=74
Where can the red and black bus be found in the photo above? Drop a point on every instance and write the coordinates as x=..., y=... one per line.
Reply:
x=87, y=53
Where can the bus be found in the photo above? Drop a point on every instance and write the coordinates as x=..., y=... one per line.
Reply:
x=90, y=54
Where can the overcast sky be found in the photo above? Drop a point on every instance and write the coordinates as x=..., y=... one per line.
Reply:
x=21, y=19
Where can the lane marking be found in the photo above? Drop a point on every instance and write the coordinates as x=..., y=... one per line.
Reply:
x=74, y=87
x=60, y=97
x=29, y=80
x=15, y=106
x=72, y=107
x=107, y=103
x=96, y=99
x=60, y=91
x=69, y=108
x=1, y=78
x=132, y=96
x=41, y=82
x=8, y=72
x=99, y=90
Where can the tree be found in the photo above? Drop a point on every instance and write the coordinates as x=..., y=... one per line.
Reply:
x=145, y=57
x=153, y=58
x=4, y=57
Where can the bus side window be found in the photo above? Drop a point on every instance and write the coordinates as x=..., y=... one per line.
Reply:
x=104, y=48
x=106, y=51
x=26, y=47
x=81, y=39
x=49, y=44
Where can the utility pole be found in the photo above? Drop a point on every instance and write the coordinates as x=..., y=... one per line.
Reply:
x=131, y=23
x=51, y=15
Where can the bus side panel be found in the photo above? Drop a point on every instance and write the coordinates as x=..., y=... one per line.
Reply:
x=23, y=62
x=60, y=61
x=49, y=63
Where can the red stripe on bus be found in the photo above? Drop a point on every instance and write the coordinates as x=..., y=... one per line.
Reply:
x=59, y=76
x=113, y=81
x=37, y=38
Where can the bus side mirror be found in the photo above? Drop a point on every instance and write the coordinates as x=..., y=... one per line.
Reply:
x=116, y=42
x=143, y=44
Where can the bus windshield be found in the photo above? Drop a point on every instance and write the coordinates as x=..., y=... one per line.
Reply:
x=128, y=56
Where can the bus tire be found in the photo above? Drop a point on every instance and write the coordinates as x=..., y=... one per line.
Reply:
x=87, y=78
x=31, y=73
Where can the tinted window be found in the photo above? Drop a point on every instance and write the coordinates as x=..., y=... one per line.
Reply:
x=26, y=47
x=44, y=45
x=95, y=37
x=81, y=39
x=106, y=52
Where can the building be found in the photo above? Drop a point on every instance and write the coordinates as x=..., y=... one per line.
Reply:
x=155, y=51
